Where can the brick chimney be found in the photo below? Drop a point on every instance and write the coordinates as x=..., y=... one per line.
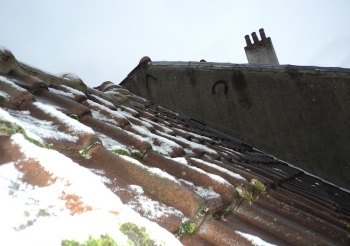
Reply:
x=260, y=52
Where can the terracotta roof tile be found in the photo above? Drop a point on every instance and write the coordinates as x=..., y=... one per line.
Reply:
x=156, y=160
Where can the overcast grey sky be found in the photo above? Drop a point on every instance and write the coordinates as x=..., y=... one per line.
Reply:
x=105, y=39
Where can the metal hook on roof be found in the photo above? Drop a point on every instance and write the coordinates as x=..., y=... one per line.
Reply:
x=220, y=82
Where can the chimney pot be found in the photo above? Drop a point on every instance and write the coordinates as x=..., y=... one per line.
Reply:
x=247, y=40
x=262, y=33
x=255, y=38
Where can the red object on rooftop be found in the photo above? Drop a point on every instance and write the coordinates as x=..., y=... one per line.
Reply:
x=144, y=59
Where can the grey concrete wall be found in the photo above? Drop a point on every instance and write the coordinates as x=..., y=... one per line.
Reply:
x=299, y=115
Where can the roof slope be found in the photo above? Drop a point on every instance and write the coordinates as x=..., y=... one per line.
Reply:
x=205, y=187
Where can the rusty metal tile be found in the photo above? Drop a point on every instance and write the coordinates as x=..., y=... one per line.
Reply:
x=248, y=175
x=101, y=101
x=256, y=169
x=181, y=171
x=146, y=115
x=236, y=182
x=8, y=151
x=127, y=195
x=219, y=234
x=308, y=200
x=194, y=240
x=240, y=225
x=47, y=97
x=77, y=95
x=139, y=122
x=308, y=209
x=320, y=198
x=27, y=82
x=17, y=95
x=162, y=189
x=303, y=218
x=120, y=120
x=280, y=226
x=181, y=133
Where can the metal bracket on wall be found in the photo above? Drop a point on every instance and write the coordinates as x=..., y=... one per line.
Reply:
x=220, y=82
x=148, y=76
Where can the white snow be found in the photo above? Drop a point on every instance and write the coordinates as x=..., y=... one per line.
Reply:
x=4, y=94
x=192, y=144
x=107, y=111
x=165, y=129
x=111, y=144
x=151, y=209
x=62, y=93
x=128, y=112
x=199, y=136
x=74, y=125
x=6, y=116
x=46, y=129
x=46, y=214
x=69, y=76
x=11, y=82
x=200, y=190
x=104, y=101
x=181, y=160
x=212, y=176
x=73, y=91
x=257, y=241
x=232, y=174
x=98, y=115
x=166, y=145
x=154, y=170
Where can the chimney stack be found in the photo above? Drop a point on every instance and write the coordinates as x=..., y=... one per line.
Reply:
x=262, y=33
x=247, y=40
x=261, y=52
x=255, y=38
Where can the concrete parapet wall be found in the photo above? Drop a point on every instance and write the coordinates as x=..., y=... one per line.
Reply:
x=298, y=114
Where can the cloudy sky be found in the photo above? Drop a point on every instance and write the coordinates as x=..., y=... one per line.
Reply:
x=105, y=39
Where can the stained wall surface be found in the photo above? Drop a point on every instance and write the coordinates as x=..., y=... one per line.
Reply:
x=298, y=114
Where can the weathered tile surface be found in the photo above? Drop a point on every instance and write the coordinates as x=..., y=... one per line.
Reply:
x=167, y=167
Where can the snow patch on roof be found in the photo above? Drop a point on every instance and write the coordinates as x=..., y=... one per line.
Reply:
x=153, y=170
x=46, y=129
x=27, y=127
x=62, y=93
x=109, y=111
x=254, y=239
x=73, y=91
x=192, y=144
x=102, y=100
x=215, y=177
x=181, y=160
x=232, y=174
x=69, y=76
x=42, y=215
x=110, y=143
x=74, y=125
x=165, y=129
x=12, y=83
x=165, y=145
x=203, y=192
x=4, y=94
x=149, y=208
x=128, y=113
x=98, y=115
